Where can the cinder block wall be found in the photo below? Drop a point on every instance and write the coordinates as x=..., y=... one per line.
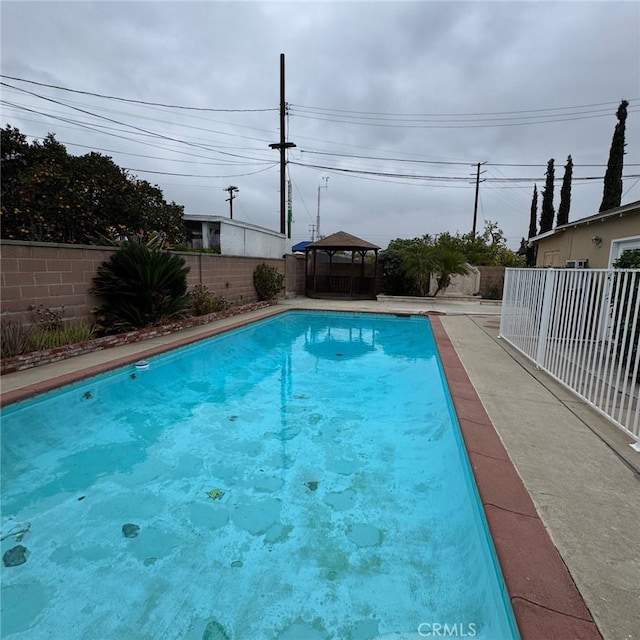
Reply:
x=294, y=272
x=53, y=275
x=491, y=277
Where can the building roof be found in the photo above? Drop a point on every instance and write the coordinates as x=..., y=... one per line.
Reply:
x=632, y=208
x=341, y=241
x=301, y=246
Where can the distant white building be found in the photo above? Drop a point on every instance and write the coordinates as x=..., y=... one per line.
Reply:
x=233, y=237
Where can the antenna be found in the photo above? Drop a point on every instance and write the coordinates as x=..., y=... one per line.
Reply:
x=324, y=186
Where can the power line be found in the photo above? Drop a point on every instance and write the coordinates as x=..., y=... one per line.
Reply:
x=443, y=162
x=69, y=104
x=191, y=175
x=462, y=125
x=133, y=101
x=440, y=178
x=103, y=130
x=131, y=126
x=142, y=155
x=488, y=113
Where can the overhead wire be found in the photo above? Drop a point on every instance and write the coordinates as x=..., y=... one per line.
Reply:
x=134, y=127
x=134, y=101
x=104, y=130
x=460, y=125
x=489, y=113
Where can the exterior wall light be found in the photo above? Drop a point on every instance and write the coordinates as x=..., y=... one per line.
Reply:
x=596, y=241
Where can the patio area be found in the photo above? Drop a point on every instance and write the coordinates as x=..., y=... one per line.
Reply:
x=583, y=478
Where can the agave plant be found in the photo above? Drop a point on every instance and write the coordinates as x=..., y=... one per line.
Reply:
x=140, y=285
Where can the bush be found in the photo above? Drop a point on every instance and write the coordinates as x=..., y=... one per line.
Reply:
x=15, y=339
x=268, y=281
x=65, y=334
x=204, y=302
x=140, y=286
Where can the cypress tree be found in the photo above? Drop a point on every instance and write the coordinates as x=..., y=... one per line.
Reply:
x=531, y=251
x=565, y=194
x=547, y=212
x=612, y=192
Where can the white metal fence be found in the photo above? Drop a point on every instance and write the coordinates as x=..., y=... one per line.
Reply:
x=582, y=326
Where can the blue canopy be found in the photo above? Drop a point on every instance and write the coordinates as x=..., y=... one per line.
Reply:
x=301, y=246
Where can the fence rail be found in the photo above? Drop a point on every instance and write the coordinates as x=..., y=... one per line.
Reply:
x=582, y=326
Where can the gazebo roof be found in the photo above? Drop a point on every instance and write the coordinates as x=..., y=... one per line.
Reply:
x=341, y=241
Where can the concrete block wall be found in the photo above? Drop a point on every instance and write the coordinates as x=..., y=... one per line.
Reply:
x=53, y=275
x=228, y=276
x=294, y=272
x=491, y=277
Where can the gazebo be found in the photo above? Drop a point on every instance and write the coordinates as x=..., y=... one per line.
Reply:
x=328, y=275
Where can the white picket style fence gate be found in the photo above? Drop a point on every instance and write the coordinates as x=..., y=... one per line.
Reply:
x=581, y=326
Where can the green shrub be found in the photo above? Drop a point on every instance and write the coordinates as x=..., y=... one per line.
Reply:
x=72, y=333
x=140, y=286
x=204, y=302
x=268, y=281
x=15, y=338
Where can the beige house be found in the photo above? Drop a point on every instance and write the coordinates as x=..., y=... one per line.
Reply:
x=595, y=242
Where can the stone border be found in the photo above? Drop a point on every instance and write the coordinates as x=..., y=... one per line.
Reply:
x=55, y=354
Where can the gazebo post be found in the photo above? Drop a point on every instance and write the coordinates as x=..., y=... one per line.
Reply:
x=315, y=271
x=353, y=253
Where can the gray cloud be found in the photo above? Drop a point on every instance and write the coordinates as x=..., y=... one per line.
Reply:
x=382, y=57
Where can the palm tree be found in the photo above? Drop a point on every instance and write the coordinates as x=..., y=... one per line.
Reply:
x=417, y=264
x=446, y=263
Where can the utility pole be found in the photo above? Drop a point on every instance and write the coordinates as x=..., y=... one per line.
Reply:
x=475, y=206
x=283, y=146
x=231, y=189
x=312, y=228
x=290, y=208
x=324, y=186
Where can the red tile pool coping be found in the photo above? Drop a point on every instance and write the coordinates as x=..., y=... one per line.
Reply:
x=545, y=600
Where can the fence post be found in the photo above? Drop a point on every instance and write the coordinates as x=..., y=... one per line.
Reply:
x=545, y=315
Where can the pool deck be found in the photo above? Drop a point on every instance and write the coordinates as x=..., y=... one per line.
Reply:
x=560, y=485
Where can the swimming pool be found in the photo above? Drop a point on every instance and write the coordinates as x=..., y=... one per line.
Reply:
x=301, y=478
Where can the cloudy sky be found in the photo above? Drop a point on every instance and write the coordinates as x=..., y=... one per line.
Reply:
x=394, y=102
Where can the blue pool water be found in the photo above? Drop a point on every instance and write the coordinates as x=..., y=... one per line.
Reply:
x=302, y=478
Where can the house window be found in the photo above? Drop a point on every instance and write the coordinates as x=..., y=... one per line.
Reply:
x=578, y=264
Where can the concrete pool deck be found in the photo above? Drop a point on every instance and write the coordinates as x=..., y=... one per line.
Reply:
x=571, y=467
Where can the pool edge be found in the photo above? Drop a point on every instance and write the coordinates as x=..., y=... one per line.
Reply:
x=166, y=343
x=545, y=599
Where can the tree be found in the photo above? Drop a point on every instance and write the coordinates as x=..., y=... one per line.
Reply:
x=547, y=212
x=51, y=196
x=446, y=263
x=396, y=281
x=417, y=265
x=565, y=194
x=530, y=253
x=612, y=192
